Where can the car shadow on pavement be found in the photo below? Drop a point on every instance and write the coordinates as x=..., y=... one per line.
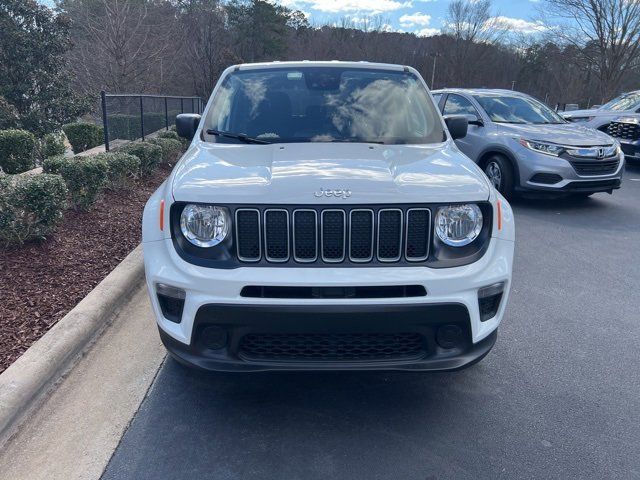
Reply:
x=305, y=424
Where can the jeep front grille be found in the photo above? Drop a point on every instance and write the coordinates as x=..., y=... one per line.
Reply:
x=627, y=131
x=333, y=235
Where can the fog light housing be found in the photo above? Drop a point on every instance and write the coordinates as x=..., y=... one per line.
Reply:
x=214, y=338
x=171, y=300
x=448, y=336
x=489, y=300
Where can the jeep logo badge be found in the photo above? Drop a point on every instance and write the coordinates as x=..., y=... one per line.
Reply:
x=337, y=193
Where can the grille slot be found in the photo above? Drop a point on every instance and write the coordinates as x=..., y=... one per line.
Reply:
x=628, y=131
x=600, y=167
x=333, y=235
x=305, y=235
x=389, y=234
x=276, y=235
x=248, y=243
x=386, y=291
x=361, y=235
x=418, y=234
x=327, y=347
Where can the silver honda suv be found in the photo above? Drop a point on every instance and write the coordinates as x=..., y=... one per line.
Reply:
x=524, y=146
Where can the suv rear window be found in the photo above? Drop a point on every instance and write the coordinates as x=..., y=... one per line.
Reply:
x=324, y=104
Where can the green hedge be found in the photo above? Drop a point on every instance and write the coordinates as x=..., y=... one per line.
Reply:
x=17, y=151
x=171, y=149
x=30, y=206
x=52, y=144
x=122, y=168
x=85, y=177
x=83, y=136
x=150, y=155
x=54, y=164
x=169, y=134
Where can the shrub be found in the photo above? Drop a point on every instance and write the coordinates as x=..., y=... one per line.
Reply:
x=169, y=134
x=54, y=164
x=85, y=177
x=83, y=136
x=150, y=155
x=17, y=151
x=30, y=206
x=53, y=144
x=121, y=168
x=171, y=149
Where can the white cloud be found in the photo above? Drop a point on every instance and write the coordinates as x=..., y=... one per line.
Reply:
x=415, y=19
x=518, y=25
x=427, y=32
x=371, y=7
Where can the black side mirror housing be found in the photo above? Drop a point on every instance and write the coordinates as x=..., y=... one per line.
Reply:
x=457, y=125
x=475, y=120
x=187, y=124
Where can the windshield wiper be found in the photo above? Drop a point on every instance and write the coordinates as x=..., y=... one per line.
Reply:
x=238, y=136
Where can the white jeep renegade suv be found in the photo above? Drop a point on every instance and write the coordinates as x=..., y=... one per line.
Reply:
x=323, y=218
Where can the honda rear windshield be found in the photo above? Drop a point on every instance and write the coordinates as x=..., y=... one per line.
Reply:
x=516, y=109
x=323, y=104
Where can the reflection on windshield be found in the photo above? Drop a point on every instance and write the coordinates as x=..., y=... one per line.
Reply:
x=627, y=101
x=512, y=109
x=322, y=104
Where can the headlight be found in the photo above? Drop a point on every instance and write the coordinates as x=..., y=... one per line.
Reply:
x=204, y=225
x=542, y=147
x=458, y=225
x=580, y=119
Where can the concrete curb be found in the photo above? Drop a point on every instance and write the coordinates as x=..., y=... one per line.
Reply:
x=24, y=385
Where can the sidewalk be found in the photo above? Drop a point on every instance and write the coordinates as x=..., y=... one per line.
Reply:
x=73, y=435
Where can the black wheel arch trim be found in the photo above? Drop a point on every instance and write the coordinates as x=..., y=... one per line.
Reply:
x=500, y=150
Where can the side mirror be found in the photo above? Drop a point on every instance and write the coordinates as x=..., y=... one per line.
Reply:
x=187, y=124
x=474, y=120
x=457, y=125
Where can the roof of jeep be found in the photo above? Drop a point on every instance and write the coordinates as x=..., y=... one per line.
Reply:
x=327, y=63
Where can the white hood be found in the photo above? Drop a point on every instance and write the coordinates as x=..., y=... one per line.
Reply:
x=296, y=173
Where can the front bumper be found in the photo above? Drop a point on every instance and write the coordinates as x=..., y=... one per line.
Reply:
x=533, y=166
x=213, y=297
x=631, y=149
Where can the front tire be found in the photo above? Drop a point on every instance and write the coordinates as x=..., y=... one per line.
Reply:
x=500, y=173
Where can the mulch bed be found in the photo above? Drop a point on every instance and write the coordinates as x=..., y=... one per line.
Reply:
x=41, y=282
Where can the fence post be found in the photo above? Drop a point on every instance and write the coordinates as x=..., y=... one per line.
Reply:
x=105, y=121
x=141, y=120
x=166, y=114
x=182, y=105
x=193, y=108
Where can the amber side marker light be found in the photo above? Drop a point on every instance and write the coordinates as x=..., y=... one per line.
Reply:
x=499, y=215
x=162, y=214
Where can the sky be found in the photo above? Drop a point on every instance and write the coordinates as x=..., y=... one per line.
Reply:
x=422, y=17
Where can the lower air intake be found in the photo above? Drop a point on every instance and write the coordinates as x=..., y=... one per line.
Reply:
x=329, y=347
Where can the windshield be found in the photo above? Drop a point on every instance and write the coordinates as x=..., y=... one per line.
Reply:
x=323, y=104
x=627, y=101
x=516, y=109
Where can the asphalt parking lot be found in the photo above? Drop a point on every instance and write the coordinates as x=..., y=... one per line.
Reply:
x=558, y=397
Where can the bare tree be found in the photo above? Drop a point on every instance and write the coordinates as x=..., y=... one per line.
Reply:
x=606, y=32
x=121, y=45
x=472, y=25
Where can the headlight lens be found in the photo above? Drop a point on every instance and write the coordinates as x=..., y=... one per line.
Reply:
x=580, y=119
x=458, y=225
x=547, y=148
x=204, y=225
